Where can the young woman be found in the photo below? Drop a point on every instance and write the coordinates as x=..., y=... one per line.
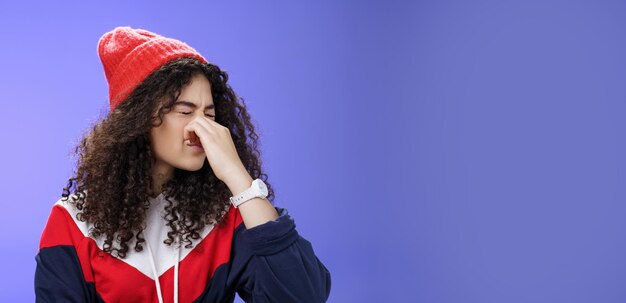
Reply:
x=169, y=202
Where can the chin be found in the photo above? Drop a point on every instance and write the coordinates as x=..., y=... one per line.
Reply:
x=191, y=165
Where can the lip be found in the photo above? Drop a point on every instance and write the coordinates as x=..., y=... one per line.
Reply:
x=196, y=147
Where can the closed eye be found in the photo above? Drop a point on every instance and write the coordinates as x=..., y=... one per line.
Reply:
x=188, y=113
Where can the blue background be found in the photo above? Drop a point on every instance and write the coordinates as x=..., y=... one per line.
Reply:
x=432, y=151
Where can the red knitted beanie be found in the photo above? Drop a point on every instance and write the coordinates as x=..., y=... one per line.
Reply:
x=130, y=55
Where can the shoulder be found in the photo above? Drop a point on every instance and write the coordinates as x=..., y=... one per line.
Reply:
x=63, y=227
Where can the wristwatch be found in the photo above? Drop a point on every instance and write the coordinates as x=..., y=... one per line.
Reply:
x=257, y=189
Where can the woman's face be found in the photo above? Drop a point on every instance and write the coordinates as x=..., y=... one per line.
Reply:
x=168, y=145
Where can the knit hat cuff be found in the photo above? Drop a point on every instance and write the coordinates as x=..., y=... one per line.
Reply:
x=142, y=61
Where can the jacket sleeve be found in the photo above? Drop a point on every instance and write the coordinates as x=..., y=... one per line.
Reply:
x=59, y=276
x=278, y=265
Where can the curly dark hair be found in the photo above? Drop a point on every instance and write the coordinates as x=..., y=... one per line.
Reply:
x=115, y=162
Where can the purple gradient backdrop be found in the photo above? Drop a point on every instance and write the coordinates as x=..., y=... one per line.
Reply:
x=432, y=151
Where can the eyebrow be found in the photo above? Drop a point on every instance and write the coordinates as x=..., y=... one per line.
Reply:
x=192, y=105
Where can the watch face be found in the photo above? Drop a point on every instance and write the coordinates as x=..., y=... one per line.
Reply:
x=262, y=187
